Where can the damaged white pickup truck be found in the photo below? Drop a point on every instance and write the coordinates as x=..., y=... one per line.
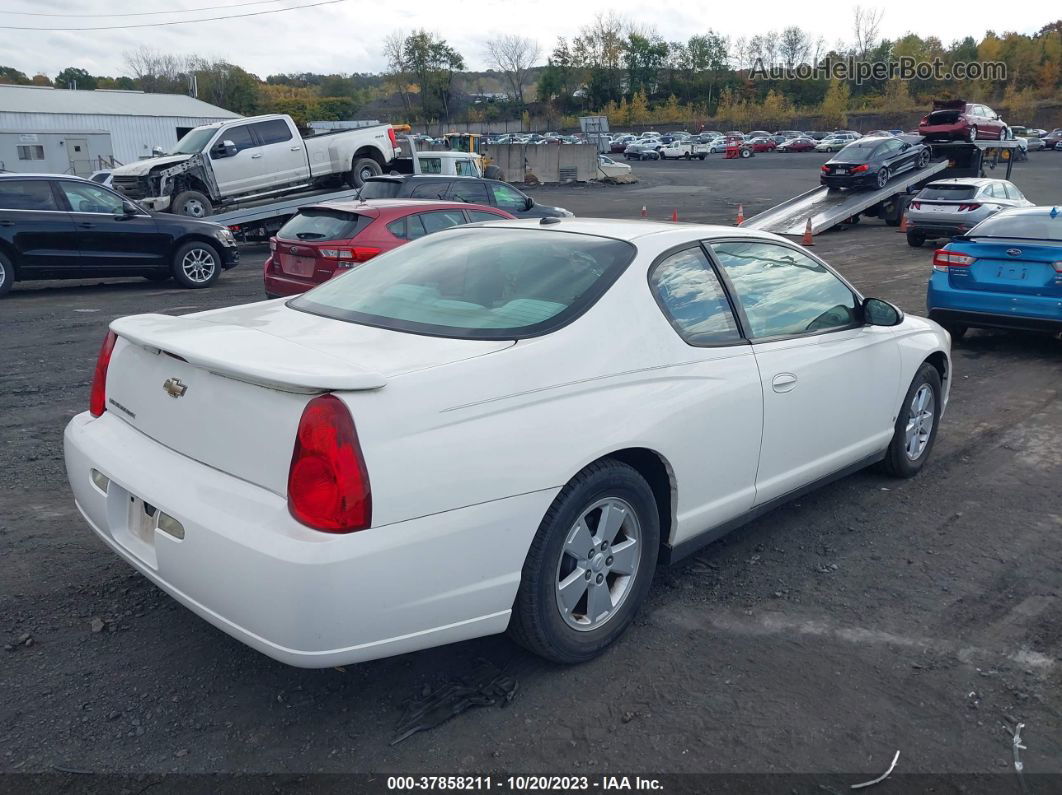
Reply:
x=220, y=164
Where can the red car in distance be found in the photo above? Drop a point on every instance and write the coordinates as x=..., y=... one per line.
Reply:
x=957, y=119
x=322, y=240
x=802, y=144
x=761, y=144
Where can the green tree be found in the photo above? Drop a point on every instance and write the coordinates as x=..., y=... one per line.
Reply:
x=432, y=63
x=643, y=57
x=9, y=75
x=73, y=76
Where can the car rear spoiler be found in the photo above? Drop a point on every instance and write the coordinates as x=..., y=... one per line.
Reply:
x=949, y=104
x=245, y=354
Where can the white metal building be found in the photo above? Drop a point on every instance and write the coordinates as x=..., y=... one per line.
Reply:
x=137, y=122
x=77, y=152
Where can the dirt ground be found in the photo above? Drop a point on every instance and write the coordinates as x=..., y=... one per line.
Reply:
x=872, y=616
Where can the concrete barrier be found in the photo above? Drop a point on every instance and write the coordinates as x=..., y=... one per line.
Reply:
x=547, y=162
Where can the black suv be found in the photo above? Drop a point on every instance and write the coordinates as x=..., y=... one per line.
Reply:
x=54, y=226
x=474, y=190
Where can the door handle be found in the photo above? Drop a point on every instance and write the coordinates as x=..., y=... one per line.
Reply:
x=86, y=225
x=255, y=157
x=296, y=148
x=784, y=382
x=7, y=223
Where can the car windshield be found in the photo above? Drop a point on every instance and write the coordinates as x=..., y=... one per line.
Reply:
x=948, y=192
x=322, y=224
x=193, y=142
x=1024, y=226
x=484, y=283
x=379, y=189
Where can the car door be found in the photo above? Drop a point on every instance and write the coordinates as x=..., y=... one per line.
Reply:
x=110, y=240
x=239, y=172
x=508, y=198
x=282, y=150
x=830, y=383
x=37, y=227
x=719, y=403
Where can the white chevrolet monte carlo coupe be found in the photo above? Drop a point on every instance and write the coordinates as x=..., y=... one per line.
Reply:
x=504, y=426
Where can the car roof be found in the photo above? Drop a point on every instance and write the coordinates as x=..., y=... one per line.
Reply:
x=965, y=181
x=389, y=205
x=17, y=175
x=631, y=231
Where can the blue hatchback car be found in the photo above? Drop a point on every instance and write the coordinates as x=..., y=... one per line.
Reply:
x=1006, y=273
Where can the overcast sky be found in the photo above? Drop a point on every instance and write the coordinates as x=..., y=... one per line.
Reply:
x=346, y=36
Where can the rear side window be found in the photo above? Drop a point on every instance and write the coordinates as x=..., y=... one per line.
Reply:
x=431, y=165
x=471, y=191
x=323, y=224
x=428, y=190
x=688, y=291
x=486, y=283
x=380, y=189
x=26, y=194
x=441, y=219
x=273, y=132
x=947, y=192
x=1030, y=227
x=480, y=215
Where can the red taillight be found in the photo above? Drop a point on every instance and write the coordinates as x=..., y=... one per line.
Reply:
x=944, y=259
x=98, y=396
x=391, y=136
x=348, y=257
x=826, y=169
x=916, y=205
x=859, y=169
x=970, y=207
x=328, y=485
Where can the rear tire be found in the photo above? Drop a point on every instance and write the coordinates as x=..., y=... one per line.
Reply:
x=883, y=176
x=361, y=169
x=7, y=274
x=553, y=615
x=971, y=133
x=916, y=425
x=196, y=265
x=915, y=239
x=192, y=204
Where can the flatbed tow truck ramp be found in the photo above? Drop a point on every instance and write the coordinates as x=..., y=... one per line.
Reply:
x=827, y=207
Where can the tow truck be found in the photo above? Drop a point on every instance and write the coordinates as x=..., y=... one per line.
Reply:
x=827, y=207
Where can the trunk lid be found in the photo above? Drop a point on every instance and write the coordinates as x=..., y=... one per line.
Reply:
x=1011, y=267
x=227, y=387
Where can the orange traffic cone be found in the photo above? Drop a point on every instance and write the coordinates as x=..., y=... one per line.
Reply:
x=644, y=213
x=740, y=215
x=806, y=240
x=903, y=223
x=674, y=215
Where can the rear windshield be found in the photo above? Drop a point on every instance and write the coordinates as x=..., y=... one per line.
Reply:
x=948, y=192
x=321, y=224
x=484, y=283
x=1027, y=227
x=380, y=189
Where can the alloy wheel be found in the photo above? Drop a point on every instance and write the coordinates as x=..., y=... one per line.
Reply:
x=919, y=422
x=199, y=265
x=883, y=177
x=598, y=564
x=3, y=274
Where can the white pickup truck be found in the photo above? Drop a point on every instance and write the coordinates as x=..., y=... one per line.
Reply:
x=686, y=149
x=220, y=164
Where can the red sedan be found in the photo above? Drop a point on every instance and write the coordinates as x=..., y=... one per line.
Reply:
x=762, y=144
x=957, y=119
x=798, y=145
x=325, y=239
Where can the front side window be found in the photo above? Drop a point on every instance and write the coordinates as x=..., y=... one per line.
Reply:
x=688, y=292
x=509, y=199
x=240, y=137
x=484, y=283
x=784, y=292
x=26, y=194
x=85, y=197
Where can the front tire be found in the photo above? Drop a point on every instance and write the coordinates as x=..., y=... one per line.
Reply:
x=196, y=265
x=7, y=274
x=916, y=425
x=193, y=204
x=590, y=565
x=923, y=159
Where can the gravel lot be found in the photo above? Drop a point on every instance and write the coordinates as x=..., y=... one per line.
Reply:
x=872, y=616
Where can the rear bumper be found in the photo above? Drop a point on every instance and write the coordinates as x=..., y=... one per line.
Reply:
x=849, y=180
x=986, y=308
x=281, y=285
x=304, y=598
x=936, y=230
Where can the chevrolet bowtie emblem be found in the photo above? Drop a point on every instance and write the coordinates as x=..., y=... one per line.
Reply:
x=174, y=388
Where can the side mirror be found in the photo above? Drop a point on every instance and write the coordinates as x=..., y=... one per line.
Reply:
x=881, y=313
x=129, y=209
x=224, y=149
x=529, y=203
x=157, y=151
x=904, y=147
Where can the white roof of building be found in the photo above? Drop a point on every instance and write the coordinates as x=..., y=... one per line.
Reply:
x=42, y=99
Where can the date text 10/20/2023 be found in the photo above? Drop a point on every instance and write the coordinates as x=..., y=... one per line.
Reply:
x=523, y=783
